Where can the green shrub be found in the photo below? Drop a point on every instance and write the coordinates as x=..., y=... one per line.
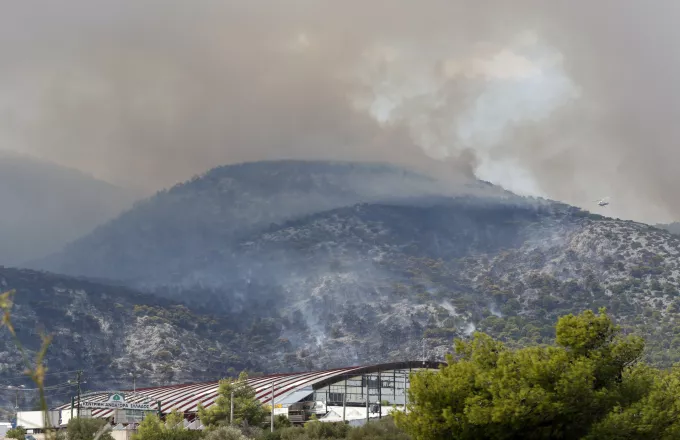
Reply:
x=226, y=433
x=16, y=433
x=86, y=428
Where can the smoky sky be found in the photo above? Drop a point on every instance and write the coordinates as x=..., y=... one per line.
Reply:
x=573, y=100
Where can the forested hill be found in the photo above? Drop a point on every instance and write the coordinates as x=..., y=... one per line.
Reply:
x=113, y=332
x=211, y=213
x=361, y=262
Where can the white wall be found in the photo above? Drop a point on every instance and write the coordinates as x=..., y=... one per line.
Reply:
x=35, y=419
x=66, y=414
x=280, y=411
x=122, y=434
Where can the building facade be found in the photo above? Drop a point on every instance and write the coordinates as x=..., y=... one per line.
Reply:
x=331, y=395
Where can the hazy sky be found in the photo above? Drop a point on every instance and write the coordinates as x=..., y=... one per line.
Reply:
x=573, y=100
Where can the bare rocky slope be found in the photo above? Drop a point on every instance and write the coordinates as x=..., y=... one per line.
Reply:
x=326, y=266
x=374, y=282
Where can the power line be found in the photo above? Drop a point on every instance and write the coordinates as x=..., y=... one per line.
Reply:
x=51, y=387
x=46, y=374
x=52, y=395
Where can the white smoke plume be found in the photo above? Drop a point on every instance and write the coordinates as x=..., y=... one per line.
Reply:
x=574, y=100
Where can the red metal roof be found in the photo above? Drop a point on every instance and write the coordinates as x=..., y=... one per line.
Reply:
x=187, y=397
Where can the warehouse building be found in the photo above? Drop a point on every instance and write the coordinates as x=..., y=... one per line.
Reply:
x=351, y=394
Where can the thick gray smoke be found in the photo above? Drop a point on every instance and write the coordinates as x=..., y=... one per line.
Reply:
x=574, y=100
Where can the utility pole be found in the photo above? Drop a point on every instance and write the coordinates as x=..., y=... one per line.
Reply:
x=16, y=399
x=231, y=408
x=344, y=401
x=380, y=395
x=272, y=415
x=367, y=394
x=78, y=377
x=134, y=382
x=405, y=393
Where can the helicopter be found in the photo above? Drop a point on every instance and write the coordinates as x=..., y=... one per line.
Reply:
x=602, y=202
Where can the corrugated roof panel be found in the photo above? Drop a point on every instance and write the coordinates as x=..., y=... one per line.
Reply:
x=306, y=381
x=188, y=395
x=295, y=396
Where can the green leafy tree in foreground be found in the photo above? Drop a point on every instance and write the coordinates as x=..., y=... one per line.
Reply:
x=153, y=428
x=247, y=409
x=589, y=381
x=87, y=429
x=655, y=416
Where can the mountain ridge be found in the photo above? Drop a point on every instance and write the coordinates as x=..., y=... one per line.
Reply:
x=230, y=201
x=45, y=206
x=392, y=274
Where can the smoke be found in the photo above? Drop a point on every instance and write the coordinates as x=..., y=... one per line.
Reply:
x=574, y=100
x=469, y=329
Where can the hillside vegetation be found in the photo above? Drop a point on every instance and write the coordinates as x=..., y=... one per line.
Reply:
x=113, y=332
x=152, y=242
x=355, y=263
